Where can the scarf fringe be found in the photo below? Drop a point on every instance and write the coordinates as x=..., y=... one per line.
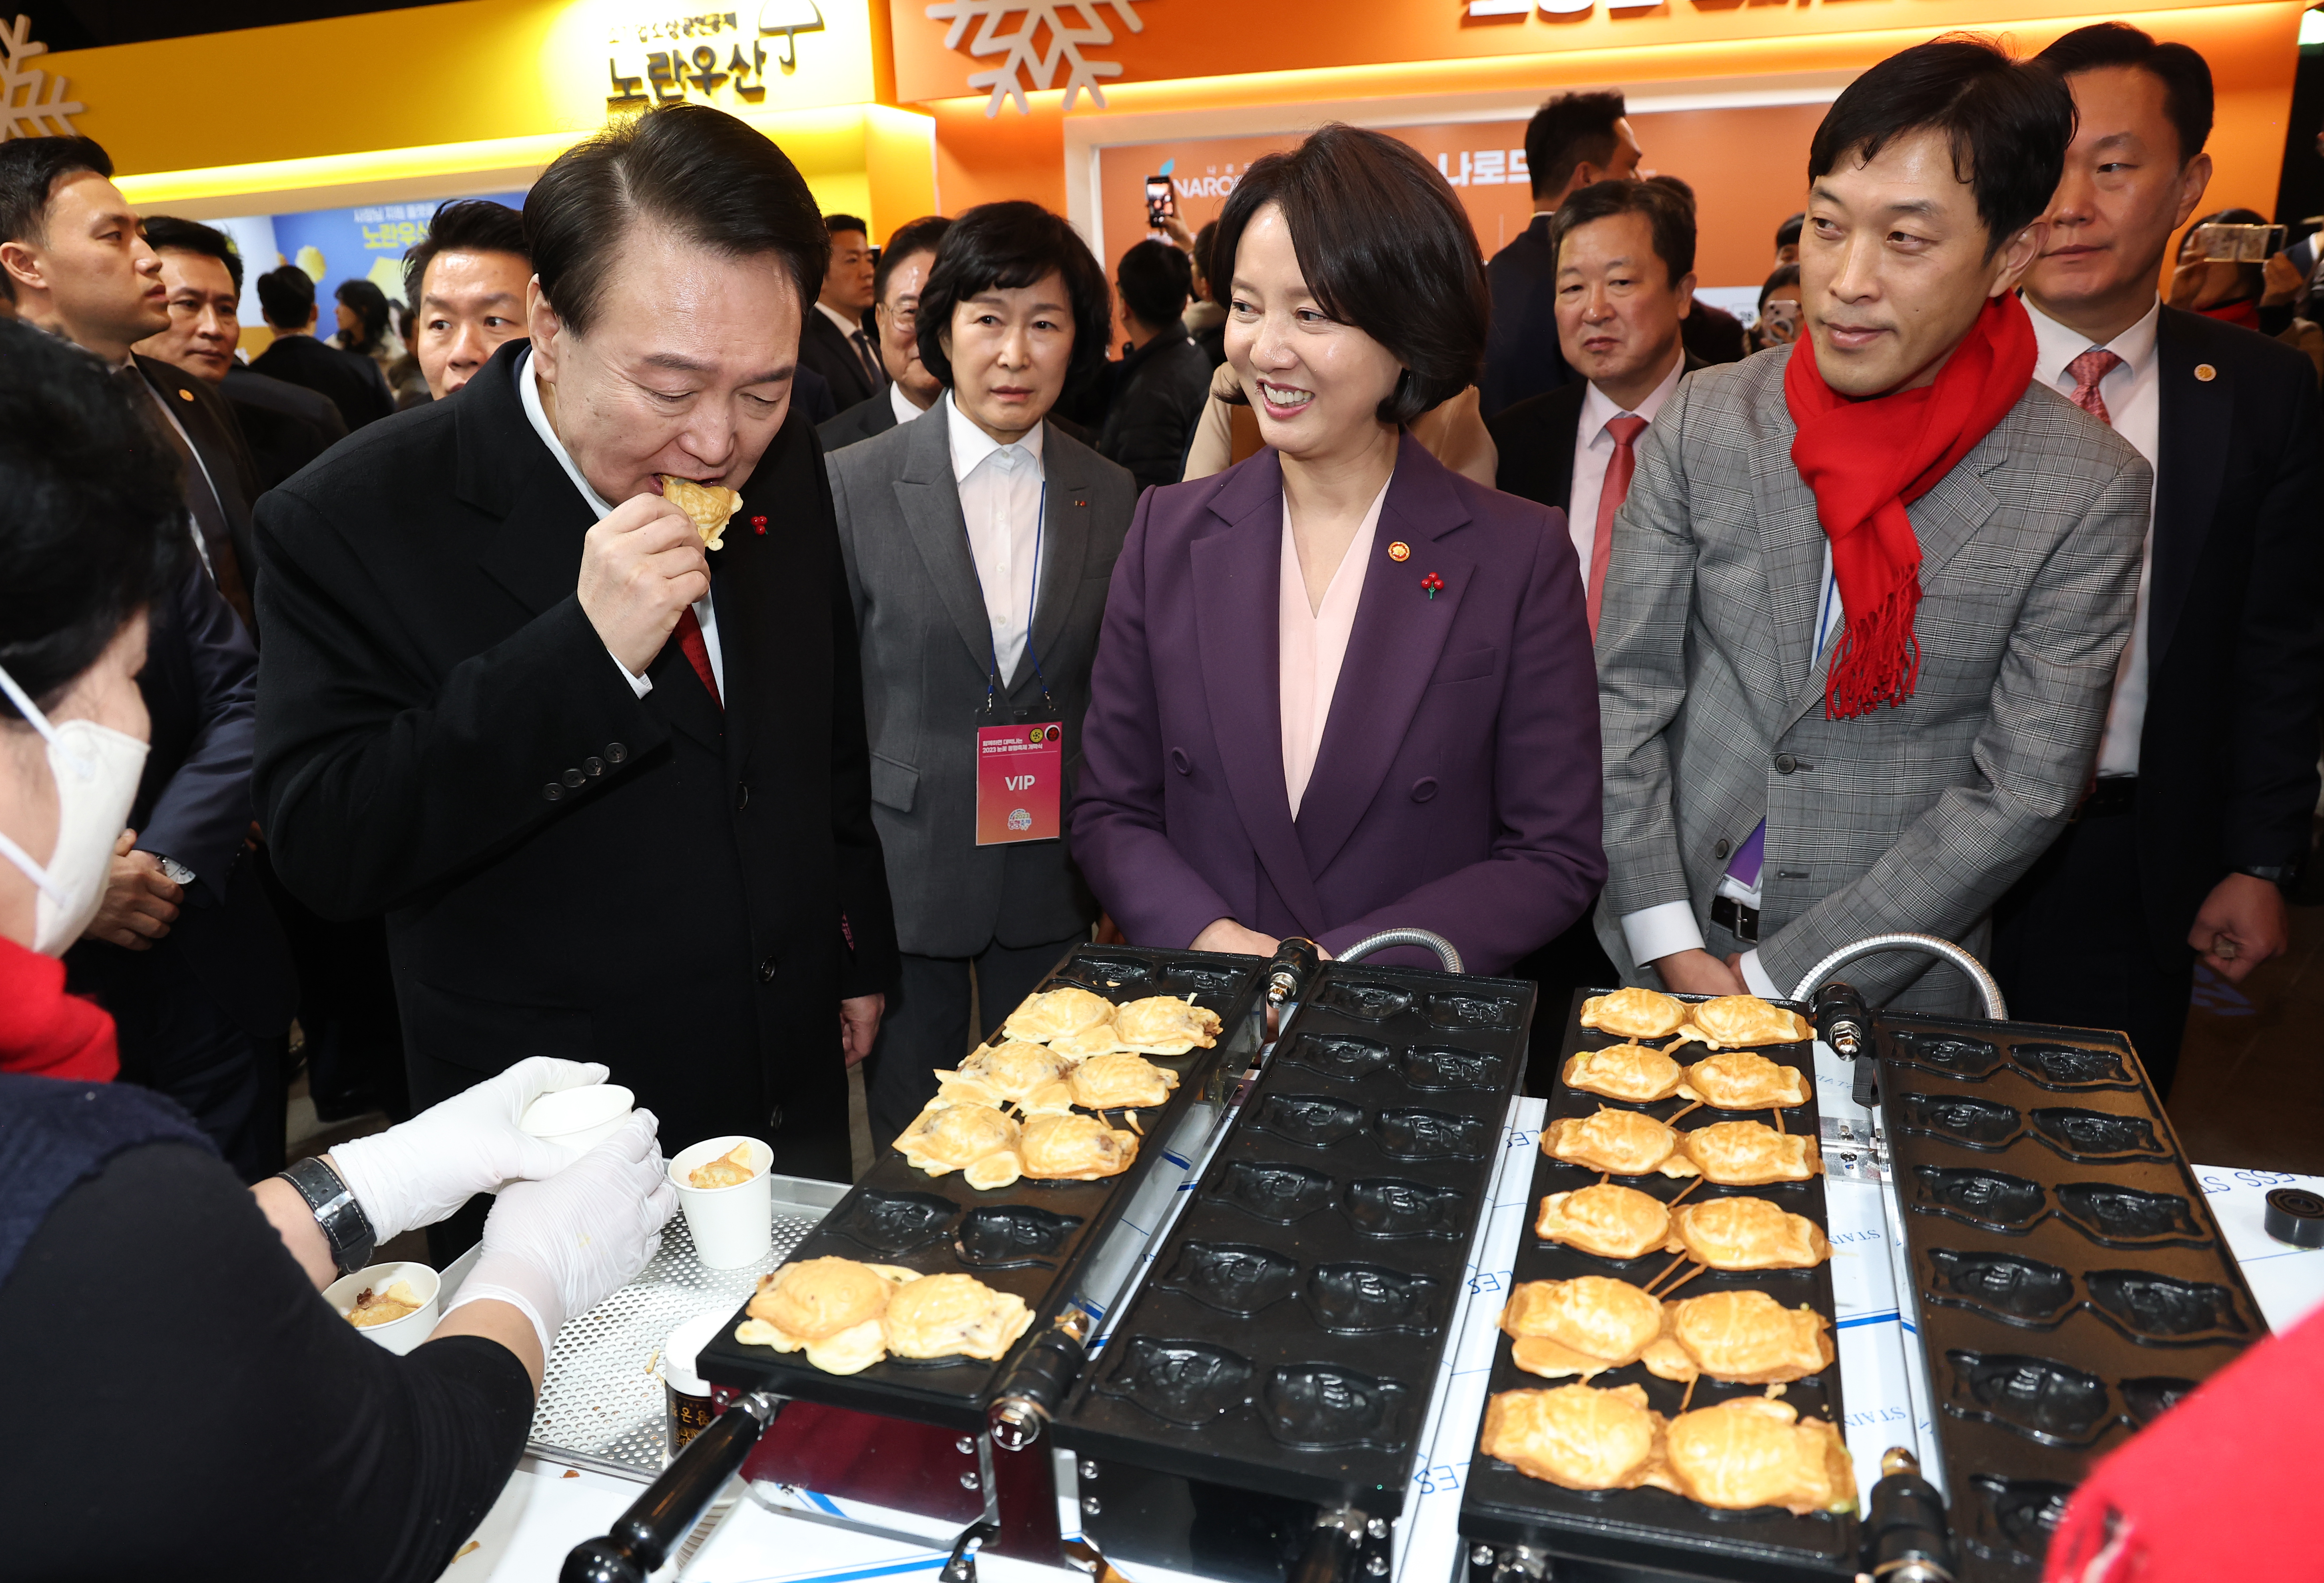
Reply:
x=1879, y=658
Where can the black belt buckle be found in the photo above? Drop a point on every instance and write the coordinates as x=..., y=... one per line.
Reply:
x=2112, y=796
x=1736, y=919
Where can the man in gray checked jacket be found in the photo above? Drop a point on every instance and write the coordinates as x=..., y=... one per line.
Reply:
x=1868, y=593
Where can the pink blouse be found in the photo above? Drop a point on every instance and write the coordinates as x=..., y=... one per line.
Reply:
x=1310, y=644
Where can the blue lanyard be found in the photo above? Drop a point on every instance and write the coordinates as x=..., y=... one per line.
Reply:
x=1032, y=608
x=1824, y=610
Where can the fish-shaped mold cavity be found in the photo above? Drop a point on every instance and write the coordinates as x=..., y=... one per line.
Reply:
x=1357, y=1299
x=1337, y=1055
x=1196, y=976
x=1280, y=1193
x=890, y=1223
x=1366, y=999
x=1233, y=1277
x=2025, y=1511
x=1315, y=1120
x=2123, y=1216
x=1385, y=1206
x=2151, y=1396
x=1187, y=1383
x=1432, y=1135
x=1323, y=1405
x=1471, y=1011
x=1104, y=973
x=2039, y=1397
x=999, y=1235
x=1976, y=1124
x=2071, y=1066
x=2096, y=1135
x=1951, y=1053
x=1992, y=1198
x=2009, y=1286
x=1431, y=1067
x=2158, y=1308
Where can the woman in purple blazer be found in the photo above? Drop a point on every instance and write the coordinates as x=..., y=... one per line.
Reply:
x=1340, y=688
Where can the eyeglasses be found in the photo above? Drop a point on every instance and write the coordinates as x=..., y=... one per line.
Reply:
x=907, y=320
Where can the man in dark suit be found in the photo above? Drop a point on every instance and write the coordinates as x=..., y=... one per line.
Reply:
x=1625, y=283
x=833, y=341
x=1710, y=333
x=613, y=793
x=1573, y=141
x=895, y=283
x=286, y=296
x=2207, y=772
x=286, y=426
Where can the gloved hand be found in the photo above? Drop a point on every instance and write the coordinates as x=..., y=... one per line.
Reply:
x=418, y=1173
x=560, y=1247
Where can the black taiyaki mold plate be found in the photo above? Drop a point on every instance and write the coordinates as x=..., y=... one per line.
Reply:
x=1030, y=1237
x=1651, y=1529
x=1290, y=1336
x=2071, y=1282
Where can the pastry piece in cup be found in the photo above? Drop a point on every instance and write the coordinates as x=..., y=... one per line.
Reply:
x=732, y=1168
x=384, y=1307
x=709, y=506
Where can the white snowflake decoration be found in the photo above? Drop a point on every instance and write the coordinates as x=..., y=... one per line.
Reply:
x=1018, y=50
x=23, y=113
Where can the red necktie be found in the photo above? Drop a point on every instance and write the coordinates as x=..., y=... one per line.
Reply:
x=697, y=653
x=1626, y=430
x=2088, y=370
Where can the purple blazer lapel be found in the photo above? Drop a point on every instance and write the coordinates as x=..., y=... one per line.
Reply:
x=1392, y=651
x=1238, y=577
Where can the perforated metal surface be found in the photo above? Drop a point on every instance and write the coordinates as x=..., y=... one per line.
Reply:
x=599, y=1408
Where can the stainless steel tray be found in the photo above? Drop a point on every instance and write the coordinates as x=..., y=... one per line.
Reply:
x=599, y=1407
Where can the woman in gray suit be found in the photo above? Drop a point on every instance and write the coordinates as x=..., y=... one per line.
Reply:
x=978, y=540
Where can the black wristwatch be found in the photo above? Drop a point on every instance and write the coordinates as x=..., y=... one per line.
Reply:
x=2278, y=877
x=345, y=1225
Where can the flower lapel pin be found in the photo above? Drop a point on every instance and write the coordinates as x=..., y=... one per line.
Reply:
x=1432, y=583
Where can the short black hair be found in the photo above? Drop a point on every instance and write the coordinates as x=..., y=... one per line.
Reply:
x=1670, y=219
x=1675, y=184
x=286, y=296
x=1787, y=235
x=925, y=235
x=1783, y=274
x=1155, y=282
x=696, y=172
x=1567, y=130
x=168, y=231
x=1205, y=248
x=2185, y=75
x=2008, y=123
x=1002, y=246
x=835, y=224
x=30, y=170
x=465, y=225
x=368, y=303
x=1385, y=245
x=91, y=516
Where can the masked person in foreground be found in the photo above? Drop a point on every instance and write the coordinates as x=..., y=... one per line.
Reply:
x=308, y=1451
x=1865, y=599
x=606, y=778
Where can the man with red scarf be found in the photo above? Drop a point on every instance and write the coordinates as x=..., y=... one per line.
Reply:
x=1868, y=591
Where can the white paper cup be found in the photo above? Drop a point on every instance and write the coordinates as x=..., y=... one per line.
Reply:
x=686, y=1393
x=397, y=1334
x=579, y=1119
x=731, y=1225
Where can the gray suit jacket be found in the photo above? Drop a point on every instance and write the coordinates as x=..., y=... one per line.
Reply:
x=927, y=646
x=1916, y=818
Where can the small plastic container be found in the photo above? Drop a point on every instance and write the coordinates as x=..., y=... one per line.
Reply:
x=397, y=1336
x=686, y=1393
x=731, y=1225
x=579, y=1119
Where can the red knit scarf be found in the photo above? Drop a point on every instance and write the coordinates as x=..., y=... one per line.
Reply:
x=1867, y=460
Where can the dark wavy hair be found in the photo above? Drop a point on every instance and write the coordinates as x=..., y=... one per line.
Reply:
x=368, y=303
x=1003, y=246
x=1385, y=245
x=91, y=514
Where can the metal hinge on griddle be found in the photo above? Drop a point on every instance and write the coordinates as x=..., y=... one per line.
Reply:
x=1853, y=1151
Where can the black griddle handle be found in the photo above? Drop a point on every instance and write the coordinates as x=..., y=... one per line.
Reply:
x=1028, y=1396
x=660, y=1519
x=1844, y=1023
x=1330, y=1553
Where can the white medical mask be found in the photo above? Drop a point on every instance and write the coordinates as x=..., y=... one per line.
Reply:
x=97, y=770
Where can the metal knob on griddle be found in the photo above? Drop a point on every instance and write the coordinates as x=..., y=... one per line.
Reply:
x=659, y=1520
x=1845, y=1025
x=1039, y=1381
x=1333, y=1545
x=1295, y=962
x=1907, y=1536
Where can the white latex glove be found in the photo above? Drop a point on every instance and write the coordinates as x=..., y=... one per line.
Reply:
x=560, y=1247
x=418, y=1173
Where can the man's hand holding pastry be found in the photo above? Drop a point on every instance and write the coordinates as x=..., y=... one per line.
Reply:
x=639, y=568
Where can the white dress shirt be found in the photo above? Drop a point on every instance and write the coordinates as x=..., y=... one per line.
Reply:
x=2133, y=393
x=1310, y=644
x=901, y=404
x=1593, y=450
x=527, y=387
x=1000, y=500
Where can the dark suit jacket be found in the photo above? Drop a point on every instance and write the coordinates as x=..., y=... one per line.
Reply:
x=200, y=687
x=209, y=423
x=2226, y=760
x=827, y=351
x=872, y=415
x=1457, y=787
x=1158, y=391
x=287, y=425
x=811, y=394
x=352, y=381
x=1535, y=443
x=678, y=891
x=1712, y=335
x=1521, y=352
